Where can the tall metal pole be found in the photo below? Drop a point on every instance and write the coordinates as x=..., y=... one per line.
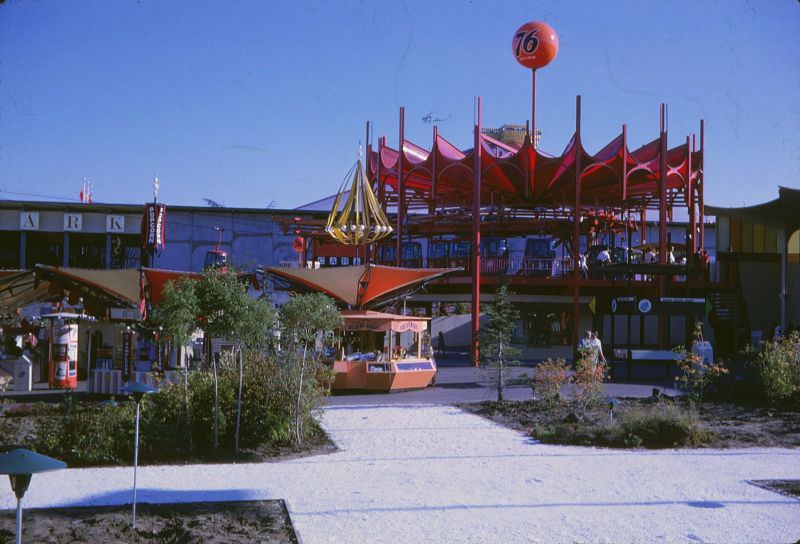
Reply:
x=533, y=106
x=701, y=184
x=19, y=520
x=475, y=259
x=662, y=223
x=576, y=234
x=400, y=187
x=690, y=200
x=135, y=463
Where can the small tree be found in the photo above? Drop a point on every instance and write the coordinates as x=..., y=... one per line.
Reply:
x=303, y=319
x=226, y=311
x=177, y=317
x=218, y=304
x=495, y=338
x=251, y=332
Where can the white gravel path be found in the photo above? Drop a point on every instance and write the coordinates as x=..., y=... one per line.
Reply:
x=436, y=474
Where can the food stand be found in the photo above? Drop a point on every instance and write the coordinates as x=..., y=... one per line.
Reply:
x=383, y=352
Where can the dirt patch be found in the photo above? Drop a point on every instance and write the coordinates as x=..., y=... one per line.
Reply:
x=728, y=425
x=211, y=522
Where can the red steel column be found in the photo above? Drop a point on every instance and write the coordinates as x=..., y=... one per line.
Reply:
x=367, y=151
x=475, y=260
x=690, y=199
x=662, y=190
x=662, y=222
x=434, y=173
x=700, y=184
x=644, y=226
x=625, y=168
x=576, y=234
x=400, y=187
x=378, y=175
x=533, y=105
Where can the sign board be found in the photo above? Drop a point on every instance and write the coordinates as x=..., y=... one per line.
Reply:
x=115, y=223
x=153, y=225
x=29, y=221
x=73, y=222
x=124, y=314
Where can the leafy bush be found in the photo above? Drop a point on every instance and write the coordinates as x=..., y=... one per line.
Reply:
x=662, y=425
x=779, y=369
x=548, y=379
x=656, y=426
x=696, y=375
x=87, y=434
x=589, y=377
x=102, y=433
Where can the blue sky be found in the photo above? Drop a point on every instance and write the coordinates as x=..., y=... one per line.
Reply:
x=252, y=103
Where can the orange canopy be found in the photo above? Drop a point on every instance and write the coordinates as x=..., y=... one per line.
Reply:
x=359, y=285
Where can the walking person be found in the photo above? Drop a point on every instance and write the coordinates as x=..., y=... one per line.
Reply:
x=441, y=350
x=597, y=346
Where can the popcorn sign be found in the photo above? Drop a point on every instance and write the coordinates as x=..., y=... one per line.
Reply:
x=153, y=225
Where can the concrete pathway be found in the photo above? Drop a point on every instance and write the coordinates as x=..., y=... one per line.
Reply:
x=435, y=474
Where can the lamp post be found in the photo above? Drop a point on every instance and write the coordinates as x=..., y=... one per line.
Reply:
x=20, y=465
x=611, y=403
x=138, y=391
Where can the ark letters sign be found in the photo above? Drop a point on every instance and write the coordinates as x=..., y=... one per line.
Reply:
x=29, y=221
x=115, y=223
x=73, y=222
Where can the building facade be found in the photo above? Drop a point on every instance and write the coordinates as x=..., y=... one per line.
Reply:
x=108, y=236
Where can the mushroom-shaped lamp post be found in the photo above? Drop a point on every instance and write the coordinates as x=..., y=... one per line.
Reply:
x=138, y=390
x=20, y=465
x=611, y=403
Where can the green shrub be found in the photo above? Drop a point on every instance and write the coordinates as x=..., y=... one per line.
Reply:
x=548, y=379
x=102, y=433
x=779, y=369
x=656, y=426
x=659, y=426
x=87, y=434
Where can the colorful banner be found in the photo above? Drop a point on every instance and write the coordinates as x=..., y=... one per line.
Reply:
x=153, y=225
x=127, y=350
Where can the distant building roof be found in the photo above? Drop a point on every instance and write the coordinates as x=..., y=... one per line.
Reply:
x=781, y=213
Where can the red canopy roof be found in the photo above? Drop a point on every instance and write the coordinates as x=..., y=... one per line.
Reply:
x=614, y=176
x=359, y=285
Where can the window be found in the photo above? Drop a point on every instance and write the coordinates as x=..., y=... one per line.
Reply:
x=87, y=250
x=9, y=249
x=44, y=248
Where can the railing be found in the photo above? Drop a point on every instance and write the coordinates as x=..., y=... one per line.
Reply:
x=541, y=267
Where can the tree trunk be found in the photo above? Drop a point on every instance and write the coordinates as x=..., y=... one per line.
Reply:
x=188, y=408
x=298, y=419
x=216, y=403
x=500, y=372
x=239, y=400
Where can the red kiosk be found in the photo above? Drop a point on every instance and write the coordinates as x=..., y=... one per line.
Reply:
x=62, y=372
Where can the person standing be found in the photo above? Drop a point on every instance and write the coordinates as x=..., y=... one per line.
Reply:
x=441, y=349
x=597, y=345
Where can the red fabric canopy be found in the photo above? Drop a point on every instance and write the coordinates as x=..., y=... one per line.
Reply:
x=614, y=176
x=359, y=285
